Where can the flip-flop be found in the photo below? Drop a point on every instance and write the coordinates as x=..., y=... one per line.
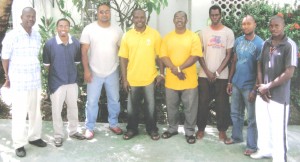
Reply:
x=154, y=135
x=128, y=135
x=229, y=141
x=167, y=134
x=190, y=139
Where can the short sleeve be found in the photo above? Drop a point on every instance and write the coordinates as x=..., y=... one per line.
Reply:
x=196, y=45
x=85, y=38
x=157, y=43
x=230, y=39
x=291, y=54
x=78, y=52
x=163, y=48
x=46, y=53
x=123, y=51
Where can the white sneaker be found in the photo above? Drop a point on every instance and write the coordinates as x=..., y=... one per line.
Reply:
x=260, y=155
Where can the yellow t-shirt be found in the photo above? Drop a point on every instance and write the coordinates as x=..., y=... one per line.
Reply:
x=179, y=47
x=141, y=50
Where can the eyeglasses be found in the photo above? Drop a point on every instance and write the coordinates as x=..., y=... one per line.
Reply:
x=104, y=12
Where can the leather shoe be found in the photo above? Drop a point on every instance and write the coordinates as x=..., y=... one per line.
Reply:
x=21, y=152
x=116, y=130
x=222, y=136
x=38, y=143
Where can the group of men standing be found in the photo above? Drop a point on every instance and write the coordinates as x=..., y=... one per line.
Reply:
x=260, y=68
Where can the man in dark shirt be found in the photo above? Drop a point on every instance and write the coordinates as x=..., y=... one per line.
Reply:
x=275, y=70
x=60, y=56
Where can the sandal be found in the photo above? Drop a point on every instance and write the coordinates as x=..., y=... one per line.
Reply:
x=154, y=135
x=190, y=139
x=128, y=135
x=229, y=141
x=248, y=152
x=167, y=134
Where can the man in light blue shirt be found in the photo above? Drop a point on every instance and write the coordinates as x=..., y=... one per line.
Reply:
x=241, y=85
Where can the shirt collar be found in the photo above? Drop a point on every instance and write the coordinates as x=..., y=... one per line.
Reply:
x=145, y=31
x=284, y=39
x=58, y=40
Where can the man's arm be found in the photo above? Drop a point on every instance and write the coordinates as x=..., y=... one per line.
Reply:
x=189, y=62
x=231, y=73
x=124, y=64
x=175, y=70
x=225, y=61
x=85, y=63
x=5, y=64
x=284, y=77
x=208, y=73
x=161, y=76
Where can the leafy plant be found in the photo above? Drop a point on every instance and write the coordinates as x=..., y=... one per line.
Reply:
x=262, y=11
x=47, y=30
x=123, y=8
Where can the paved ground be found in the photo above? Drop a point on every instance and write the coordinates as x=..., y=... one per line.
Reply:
x=108, y=147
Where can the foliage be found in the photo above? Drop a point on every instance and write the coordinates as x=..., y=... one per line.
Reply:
x=47, y=30
x=262, y=11
x=123, y=8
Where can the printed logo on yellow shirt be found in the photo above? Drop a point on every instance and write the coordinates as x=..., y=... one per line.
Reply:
x=148, y=42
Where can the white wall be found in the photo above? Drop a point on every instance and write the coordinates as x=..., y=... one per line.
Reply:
x=164, y=21
x=43, y=8
x=197, y=11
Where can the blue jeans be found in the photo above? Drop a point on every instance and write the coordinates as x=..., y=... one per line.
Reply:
x=111, y=84
x=239, y=100
x=138, y=96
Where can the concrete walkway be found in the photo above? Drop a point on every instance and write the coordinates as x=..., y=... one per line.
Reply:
x=108, y=147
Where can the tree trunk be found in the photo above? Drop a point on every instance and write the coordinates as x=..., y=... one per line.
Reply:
x=5, y=12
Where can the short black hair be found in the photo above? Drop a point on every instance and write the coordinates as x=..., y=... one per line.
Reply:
x=215, y=7
x=104, y=3
x=185, y=15
x=62, y=19
x=138, y=9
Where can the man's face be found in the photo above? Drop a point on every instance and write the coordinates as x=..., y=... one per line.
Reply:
x=276, y=27
x=248, y=25
x=139, y=19
x=103, y=13
x=180, y=20
x=63, y=28
x=28, y=18
x=215, y=16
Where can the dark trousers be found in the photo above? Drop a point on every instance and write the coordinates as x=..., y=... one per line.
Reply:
x=207, y=92
x=137, y=97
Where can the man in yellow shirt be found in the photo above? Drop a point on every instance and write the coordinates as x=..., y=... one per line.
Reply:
x=180, y=50
x=138, y=52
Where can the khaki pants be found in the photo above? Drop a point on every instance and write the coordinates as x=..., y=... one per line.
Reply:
x=24, y=102
x=69, y=94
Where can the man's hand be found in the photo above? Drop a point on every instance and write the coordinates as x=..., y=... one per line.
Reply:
x=263, y=91
x=88, y=76
x=229, y=89
x=181, y=76
x=159, y=80
x=211, y=76
x=252, y=96
x=6, y=84
x=126, y=86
